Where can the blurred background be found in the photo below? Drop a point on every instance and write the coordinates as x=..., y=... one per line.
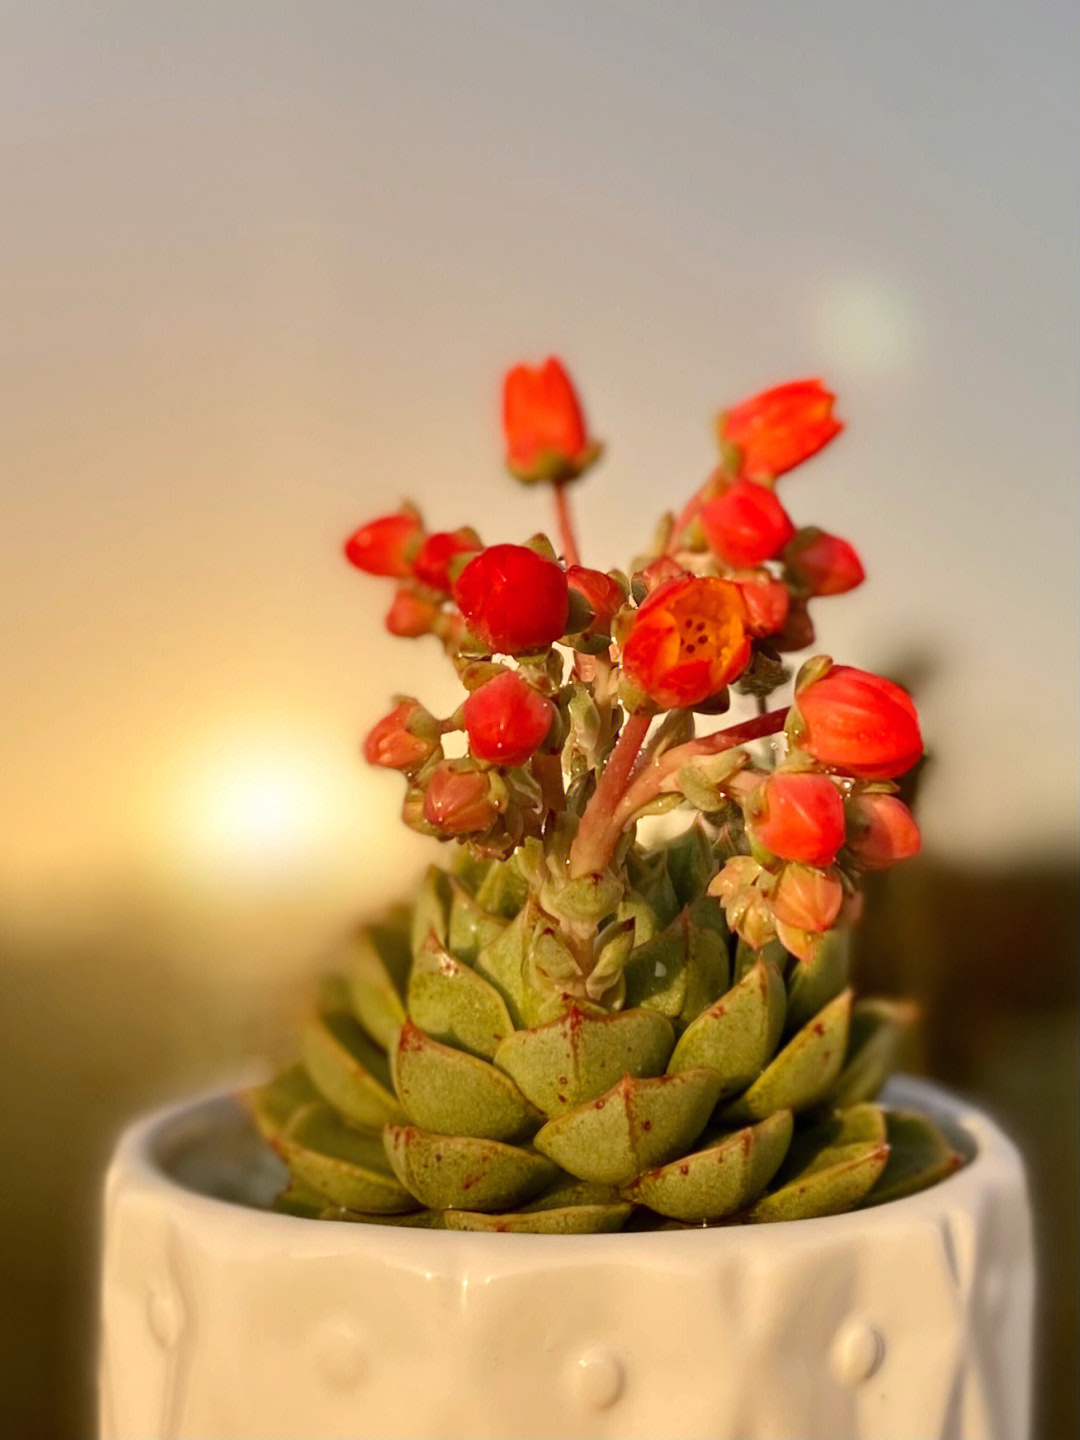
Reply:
x=263, y=265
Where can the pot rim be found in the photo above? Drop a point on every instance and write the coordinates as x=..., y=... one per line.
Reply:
x=152, y=1149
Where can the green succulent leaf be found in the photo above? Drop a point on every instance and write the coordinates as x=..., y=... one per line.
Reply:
x=452, y=1003
x=878, y=1028
x=571, y=1220
x=503, y=890
x=344, y=1165
x=816, y=1146
x=919, y=1155
x=580, y=1056
x=590, y=898
x=682, y=970
x=638, y=1124
x=452, y=1093
x=813, y=983
x=736, y=1036
x=375, y=980
x=272, y=1106
x=690, y=862
x=458, y=1172
x=746, y=957
x=504, y=964
x=349, y=1070
x=726, y=1176
x=470, y=927
x=803, y=1071
x=431, y=913
x=826, y=1189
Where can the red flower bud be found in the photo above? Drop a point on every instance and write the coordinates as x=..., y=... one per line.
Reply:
x=882, y=831
x=602, y=594
x=798, y=815
x=513, y=599
x=411, y=614
x=767, y=604
x=780, y=428
x=746, y=524
x=507, y=720
x=394, y=743
x=545, y=429
x=823, y=564
x=857, y=723
x=431, y=565
x=385, y=546
x=458, y=800
x=687, y=641
x=806, y=899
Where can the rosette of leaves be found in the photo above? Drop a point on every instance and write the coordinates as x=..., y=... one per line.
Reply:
x=462, y=1075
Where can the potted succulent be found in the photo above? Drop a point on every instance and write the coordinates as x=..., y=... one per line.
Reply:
x=598, y=1113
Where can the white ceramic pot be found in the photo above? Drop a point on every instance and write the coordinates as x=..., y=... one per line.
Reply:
x=911, y=1319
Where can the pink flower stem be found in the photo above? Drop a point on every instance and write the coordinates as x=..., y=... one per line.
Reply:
x=593, y=846
x=565, y=524
x=607, y=816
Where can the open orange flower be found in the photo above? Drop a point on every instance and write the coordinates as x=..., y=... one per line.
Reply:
x=688, y=640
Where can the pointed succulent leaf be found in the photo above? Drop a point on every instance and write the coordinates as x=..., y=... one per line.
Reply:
x=878, y=1028
x=549, y=958
x=582, y=1219
x=634, y=906
x=613, y=947
x=638, y=1124
x=414, y=1220
x=813, y=983
x=737, y=1035
x=452, y=1093
x=469, y=926
x=272, y=1106
x=746, y=957
x=503, y=963
x=579, y=1056
x=469, y=870
x=690, y=862
x=589, y=898
x=717, y=1181
x=919, y=1155
x=452, y=1003
x=458, y=1172
x=819, y=1145
x=375, y=982
x=300, y=1200
x=680, y=971
x=650, y=879
x=708, y=966
x=431, y=912
x=656, y=974
x=804, y=1070
x=503, y=890
x=346, y=1166
x=829, y=1190
x=348, y=1070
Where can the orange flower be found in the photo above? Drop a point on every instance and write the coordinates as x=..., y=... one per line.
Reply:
x=823, y=564
x=545, y=429
x=857, y=723
x=883, y=831
x=385, y=546
x=798, y=815
x=687, y=641
x=780, y=428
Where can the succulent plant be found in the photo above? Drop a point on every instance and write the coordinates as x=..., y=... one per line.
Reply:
x=571, y=1028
